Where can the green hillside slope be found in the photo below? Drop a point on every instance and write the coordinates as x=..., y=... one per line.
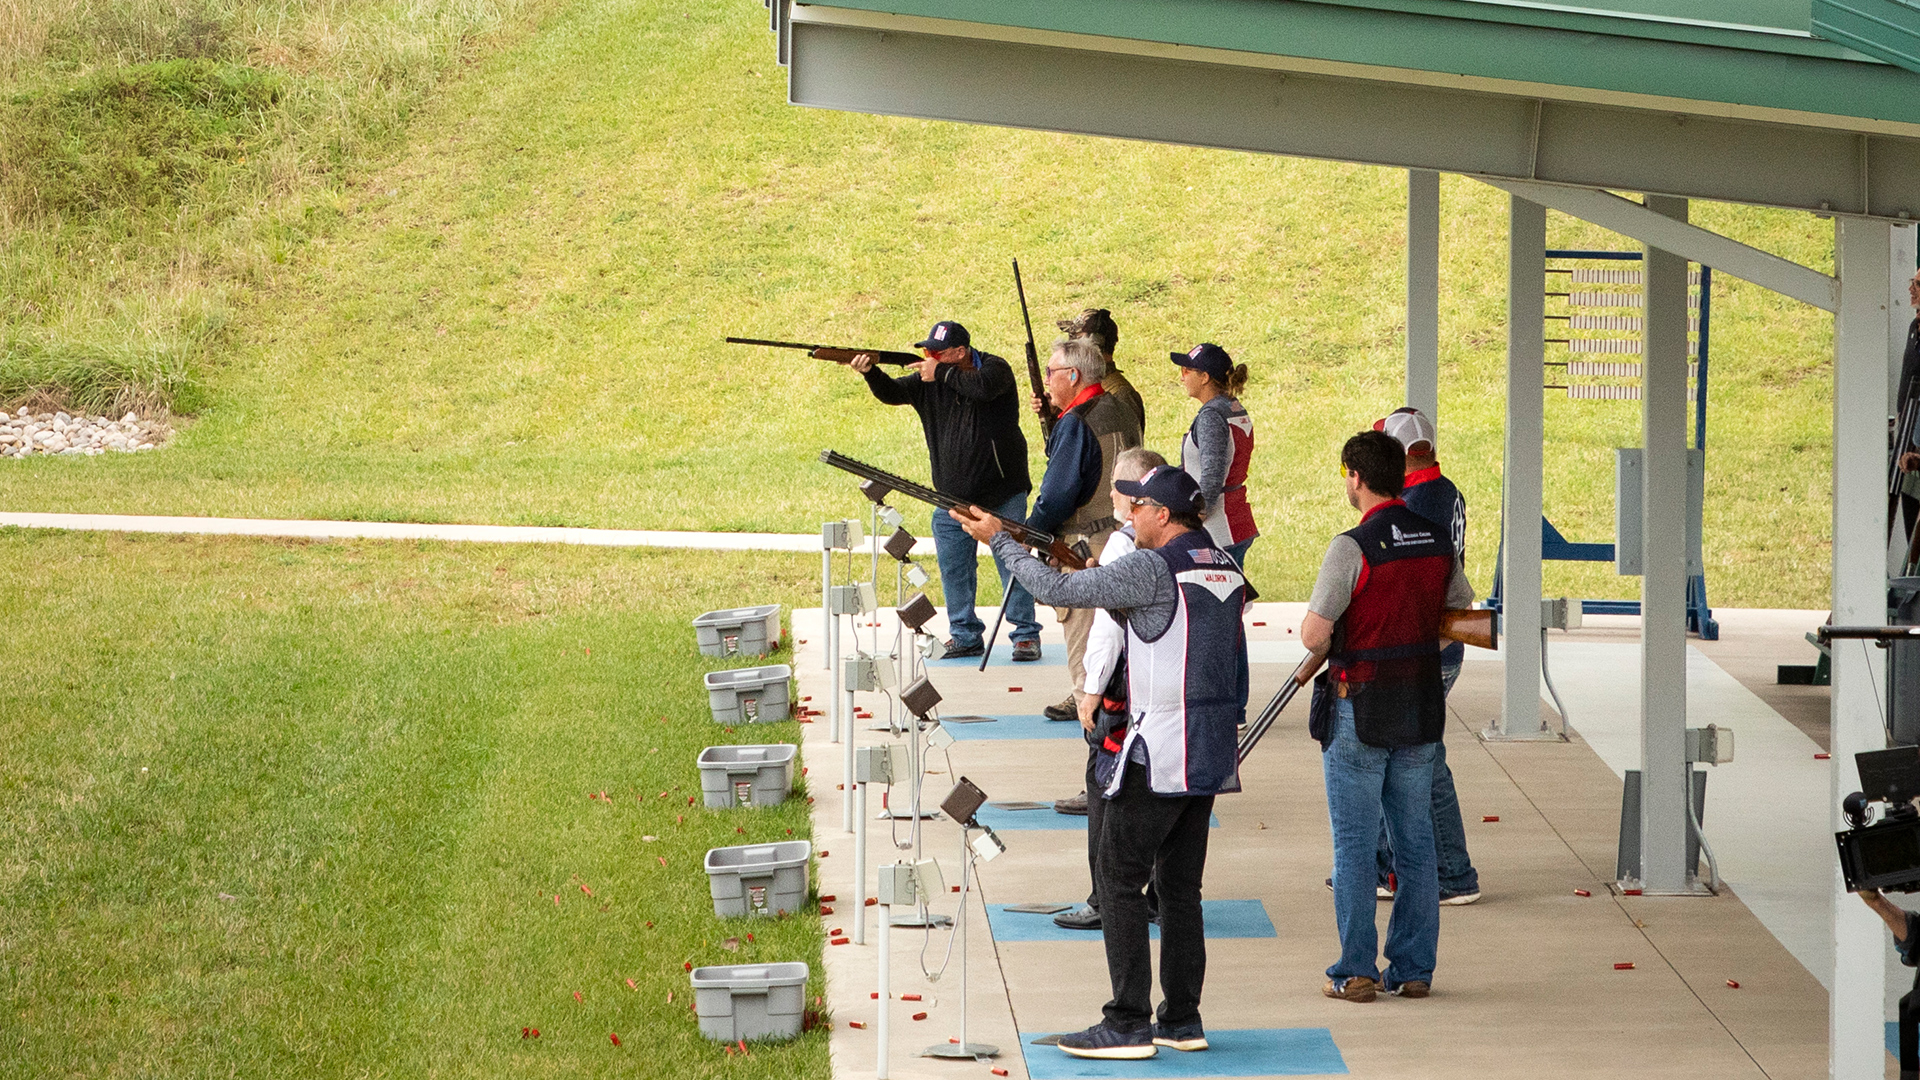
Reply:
x=516, y=318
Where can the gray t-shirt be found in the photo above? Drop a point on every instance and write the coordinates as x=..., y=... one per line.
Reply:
x=1340, y=573
x=1138, y=585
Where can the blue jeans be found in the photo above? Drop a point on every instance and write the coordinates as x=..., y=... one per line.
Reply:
x=1364, y=785
x=959, y=559
x=1457, y=875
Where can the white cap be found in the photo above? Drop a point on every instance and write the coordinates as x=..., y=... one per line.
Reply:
x=1410, y=427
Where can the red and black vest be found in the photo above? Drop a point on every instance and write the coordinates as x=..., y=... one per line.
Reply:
x=1386, y=647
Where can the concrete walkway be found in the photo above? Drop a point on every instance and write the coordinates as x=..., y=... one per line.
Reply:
x=1527, y=984
x=395, y=530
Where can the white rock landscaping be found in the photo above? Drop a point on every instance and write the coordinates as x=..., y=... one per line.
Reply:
x=26, y=433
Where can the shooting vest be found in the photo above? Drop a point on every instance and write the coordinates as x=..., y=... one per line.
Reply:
x=1386, y=647
x=1117, y=429
x=1187, y=687
x=1230, y=519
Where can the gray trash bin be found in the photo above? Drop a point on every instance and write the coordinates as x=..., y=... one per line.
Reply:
x=755, y=695
x=746, y=775
x=747, y=631
x=750, y=1001
x=758, y=879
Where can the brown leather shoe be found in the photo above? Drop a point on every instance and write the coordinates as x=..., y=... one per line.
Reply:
x=1412, y=988
x=1356, y=988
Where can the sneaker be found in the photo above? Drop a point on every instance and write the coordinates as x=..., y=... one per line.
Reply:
x=1458, y=899
x=1186, y=1037
x=1382, y=892
x=1026, y=652
x=1412, y=988
x=953, y=650
x=1084, y=917
x=1354, y=988
x=1077, y=805
x=1101, y=1041
x=1061, y=713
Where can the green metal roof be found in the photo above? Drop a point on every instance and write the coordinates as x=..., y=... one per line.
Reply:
x=1757, y=53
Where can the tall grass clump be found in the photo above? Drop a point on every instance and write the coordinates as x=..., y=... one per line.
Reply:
x=162, y=159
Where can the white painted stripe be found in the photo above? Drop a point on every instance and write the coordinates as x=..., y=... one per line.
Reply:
x=396, y=530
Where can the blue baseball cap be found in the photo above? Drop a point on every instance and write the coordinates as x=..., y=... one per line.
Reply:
x=1168, y=485
x=1206, y=357
x=945, y=335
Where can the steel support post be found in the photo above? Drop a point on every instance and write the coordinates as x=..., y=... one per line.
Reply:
x=1423, y=292
x=885, y=993
x=1900, y=315
x=860, y=828
x=847, y=745
x=1663, y=580
x=1856, y=1039
x=1521, y=479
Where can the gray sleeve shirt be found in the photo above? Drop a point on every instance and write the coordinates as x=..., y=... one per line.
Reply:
x=1138, y=584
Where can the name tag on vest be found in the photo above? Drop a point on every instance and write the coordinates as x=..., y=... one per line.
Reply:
x=1221, y=583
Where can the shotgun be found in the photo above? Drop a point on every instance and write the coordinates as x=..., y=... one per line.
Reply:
x=1047, y=413
x=1032, y=538
x=836, y=353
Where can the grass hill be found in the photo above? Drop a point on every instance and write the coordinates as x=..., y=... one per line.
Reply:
x=512, y=311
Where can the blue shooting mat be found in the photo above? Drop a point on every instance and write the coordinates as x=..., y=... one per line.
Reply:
x=1014, y=820
x=1233, y=1052
x=1224, y=919
x=1001, y=726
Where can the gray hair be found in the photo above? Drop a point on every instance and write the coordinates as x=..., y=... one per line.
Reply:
x=1136, y=463
x=1083, y=355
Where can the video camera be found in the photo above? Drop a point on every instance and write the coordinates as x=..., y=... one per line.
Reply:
x=1883, y=851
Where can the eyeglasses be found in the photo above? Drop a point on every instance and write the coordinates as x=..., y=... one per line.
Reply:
x=1343, y=470
x=1051, y=370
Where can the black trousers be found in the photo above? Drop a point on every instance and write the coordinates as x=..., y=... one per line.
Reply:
x=1909, y=1029
x=1146, y=837
x=1096, y=807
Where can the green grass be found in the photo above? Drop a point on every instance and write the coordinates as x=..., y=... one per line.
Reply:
x=516, y=316
x=290, y=809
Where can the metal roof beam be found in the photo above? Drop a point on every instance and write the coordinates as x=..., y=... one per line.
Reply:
x=1629, y=218
x=940, y=76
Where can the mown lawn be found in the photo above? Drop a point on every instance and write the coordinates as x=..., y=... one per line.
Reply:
x=291, y=809
x=517, y=319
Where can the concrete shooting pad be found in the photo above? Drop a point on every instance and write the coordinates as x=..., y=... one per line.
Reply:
x=1526, y=984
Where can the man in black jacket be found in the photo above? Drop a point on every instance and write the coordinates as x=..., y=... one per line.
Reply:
x=969, y=408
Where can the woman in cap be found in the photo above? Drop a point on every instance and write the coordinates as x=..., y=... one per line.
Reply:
x=1218, y=448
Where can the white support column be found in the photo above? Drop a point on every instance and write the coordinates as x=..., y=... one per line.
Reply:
x=1863, y=257
x=1899, y=310
x=1423, y=292
x=1521, y=481
x=1663, y=581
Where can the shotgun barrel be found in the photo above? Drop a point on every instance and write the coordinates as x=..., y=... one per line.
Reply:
x=1032, y=538
x=838, y=354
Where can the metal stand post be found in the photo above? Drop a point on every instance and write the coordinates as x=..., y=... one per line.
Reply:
x=834, y=726
x=963, y=1048
x=846, y=746
x=860, y=869
x=886, y=994
x=826, y=585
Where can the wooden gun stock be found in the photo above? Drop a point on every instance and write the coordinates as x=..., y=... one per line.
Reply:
x=1471, y=626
